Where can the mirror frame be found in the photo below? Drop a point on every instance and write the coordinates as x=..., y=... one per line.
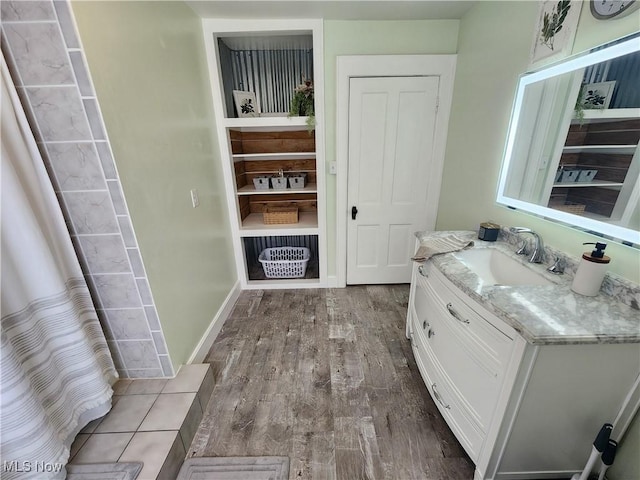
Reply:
x=617, y=233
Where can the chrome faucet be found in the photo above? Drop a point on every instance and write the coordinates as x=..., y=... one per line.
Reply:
x=537, y=256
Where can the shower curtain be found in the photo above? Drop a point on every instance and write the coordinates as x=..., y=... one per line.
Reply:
x=56, y=371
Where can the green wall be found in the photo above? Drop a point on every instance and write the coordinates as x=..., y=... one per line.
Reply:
x=148, y=65
x=364, y=38
x=492, y=53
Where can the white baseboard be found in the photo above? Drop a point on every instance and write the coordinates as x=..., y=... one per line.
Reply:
x=205, y=343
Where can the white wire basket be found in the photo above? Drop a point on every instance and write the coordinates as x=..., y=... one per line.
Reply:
x=285, y=262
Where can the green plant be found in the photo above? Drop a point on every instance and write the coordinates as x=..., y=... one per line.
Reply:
x=302, y=103
x=552, y=22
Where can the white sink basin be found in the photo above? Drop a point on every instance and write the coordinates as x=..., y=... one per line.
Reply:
x=496, y=268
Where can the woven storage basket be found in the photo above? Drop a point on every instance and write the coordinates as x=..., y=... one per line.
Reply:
x=285, y=262
x=280, y=215
x=576, y=208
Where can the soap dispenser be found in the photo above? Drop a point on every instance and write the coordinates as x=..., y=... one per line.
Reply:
x=591, y=271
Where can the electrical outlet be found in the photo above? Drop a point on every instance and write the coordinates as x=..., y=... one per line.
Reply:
x=195, y=201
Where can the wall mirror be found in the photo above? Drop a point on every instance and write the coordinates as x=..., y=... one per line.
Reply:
x=572, y=149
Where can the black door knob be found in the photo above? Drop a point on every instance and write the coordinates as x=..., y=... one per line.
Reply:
x=354, y=212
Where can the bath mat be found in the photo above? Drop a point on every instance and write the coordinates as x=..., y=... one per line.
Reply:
x=103, y=471
x=235, y=468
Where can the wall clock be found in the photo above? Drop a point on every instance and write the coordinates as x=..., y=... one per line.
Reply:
x=606, y=9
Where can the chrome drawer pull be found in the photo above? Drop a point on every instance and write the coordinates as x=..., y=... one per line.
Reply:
x=422, y=272
x=438, y=397
x=430, y=333
x=455, y=314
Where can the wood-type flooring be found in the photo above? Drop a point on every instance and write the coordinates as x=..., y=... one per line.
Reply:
x=326, y=377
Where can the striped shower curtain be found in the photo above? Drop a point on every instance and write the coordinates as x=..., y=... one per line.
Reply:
x=56, y=371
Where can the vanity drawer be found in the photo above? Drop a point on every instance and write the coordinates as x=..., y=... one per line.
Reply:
x=473, y=376
x=484, y=333
x=454, y=413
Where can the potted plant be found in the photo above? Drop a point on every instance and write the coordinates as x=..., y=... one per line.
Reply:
x=302, y=103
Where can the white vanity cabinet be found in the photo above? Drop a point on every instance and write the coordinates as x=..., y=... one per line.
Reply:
x=521, y=411
x=463, y=353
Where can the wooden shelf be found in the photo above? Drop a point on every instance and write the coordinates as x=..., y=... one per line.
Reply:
x=267, y=123
x=598, y=115
x=251, y=190
x=253, y=226
x=599, y=183
x=282, y=283
x=274, y=156
x=613, y=149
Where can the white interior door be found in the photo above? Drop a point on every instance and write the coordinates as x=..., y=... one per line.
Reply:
x=391, y=138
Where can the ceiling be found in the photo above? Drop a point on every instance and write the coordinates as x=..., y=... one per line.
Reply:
x=333, y=9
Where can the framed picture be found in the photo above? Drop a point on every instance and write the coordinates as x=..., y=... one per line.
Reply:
x=555, y=29
x=246, y=104
x=596, y=96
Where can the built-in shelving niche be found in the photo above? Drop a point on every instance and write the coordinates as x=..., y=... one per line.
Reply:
x=254, y=245
x=270, y=57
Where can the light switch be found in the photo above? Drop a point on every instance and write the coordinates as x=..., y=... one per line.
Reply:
x=195, y=201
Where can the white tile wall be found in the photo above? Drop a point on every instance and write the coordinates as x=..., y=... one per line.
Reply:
x=26, y=10
x=76, y=166
x=39, y=53
x=59, y=113
x=129, y=324
x=44, y=53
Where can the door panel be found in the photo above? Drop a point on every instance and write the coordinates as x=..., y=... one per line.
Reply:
x=370, y=180
x=398, y=235
x=391, y=128
x=367, y=241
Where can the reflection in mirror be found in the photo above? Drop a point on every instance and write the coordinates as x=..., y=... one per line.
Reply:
x=572, y=149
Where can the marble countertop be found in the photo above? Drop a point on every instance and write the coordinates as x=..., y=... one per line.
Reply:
x=546, y=314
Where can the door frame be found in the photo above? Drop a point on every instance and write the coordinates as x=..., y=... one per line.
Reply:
x=349, y=66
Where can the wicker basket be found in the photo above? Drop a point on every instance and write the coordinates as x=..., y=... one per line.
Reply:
x=575, y=208
x=280, y=215
x=285, y=262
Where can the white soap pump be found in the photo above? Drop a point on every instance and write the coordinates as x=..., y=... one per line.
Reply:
x=591, y=271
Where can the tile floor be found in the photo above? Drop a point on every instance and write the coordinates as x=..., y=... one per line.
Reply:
x=152, y=421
